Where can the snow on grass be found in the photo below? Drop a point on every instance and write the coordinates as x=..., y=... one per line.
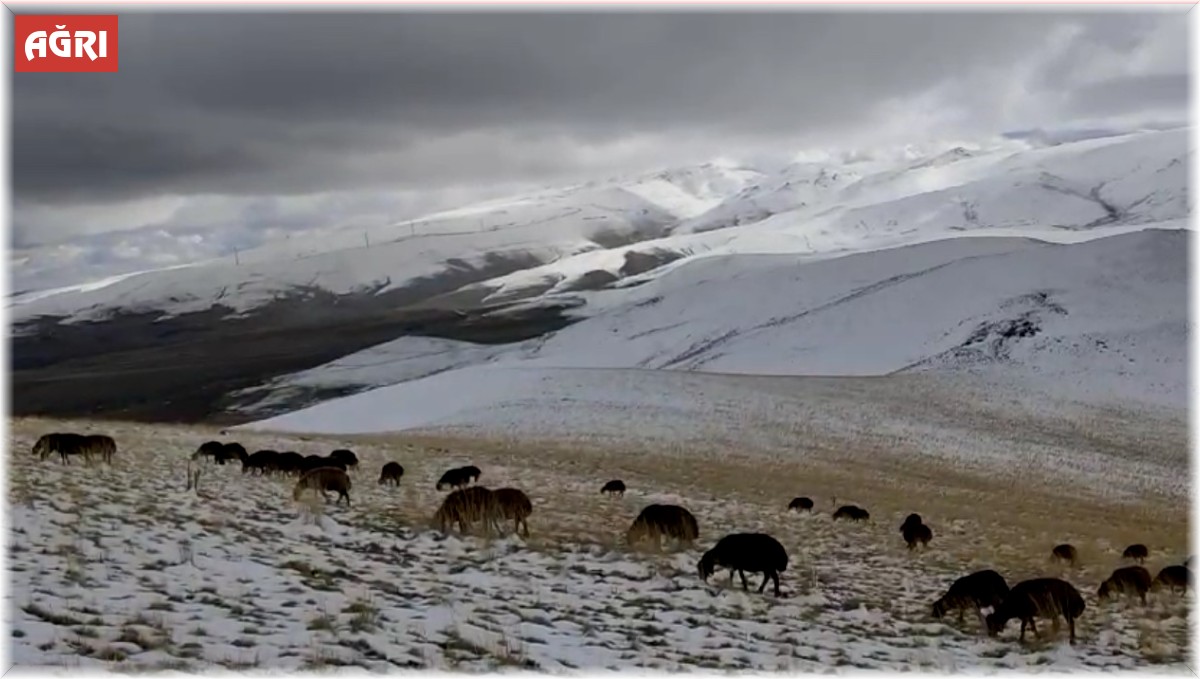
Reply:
x=120, y=568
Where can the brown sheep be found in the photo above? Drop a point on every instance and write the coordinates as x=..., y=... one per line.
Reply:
x=801, y=504
x=614, y=487
x=1132, y=580
x=458, y=477
x=1136, y=553
x=1065, y=552
x=979, y=590
x=515, y=505
x=323, y=479
x=468, y=506
x=1040, y=597
x=914, y=533
x=1175, y=577
x=656, y=521
x=391, y=473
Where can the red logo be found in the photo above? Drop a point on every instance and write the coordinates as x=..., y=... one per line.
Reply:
x=50, y=43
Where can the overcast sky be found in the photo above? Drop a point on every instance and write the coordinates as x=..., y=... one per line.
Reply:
x=221, y=126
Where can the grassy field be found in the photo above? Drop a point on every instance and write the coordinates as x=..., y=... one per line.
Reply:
x=121, y=567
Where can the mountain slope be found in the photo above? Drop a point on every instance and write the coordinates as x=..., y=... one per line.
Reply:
x=1103, y=321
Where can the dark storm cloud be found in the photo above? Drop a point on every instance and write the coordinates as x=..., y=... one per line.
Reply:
x=290, y=104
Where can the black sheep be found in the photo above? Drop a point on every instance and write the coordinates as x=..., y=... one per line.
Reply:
x=391, y=473
x=614, y=487
x=1040, y=597
x=346, y=457
x=979, y=590
x=800, y=504
x=1128, y=580
x=1136, y=553
x=914, y=533
x=741, y=552
x=1175, y=577
x=852, y=513
x=1065, y=552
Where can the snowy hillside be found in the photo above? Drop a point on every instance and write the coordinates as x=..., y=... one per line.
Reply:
x=596, y=234
x=1103, y=321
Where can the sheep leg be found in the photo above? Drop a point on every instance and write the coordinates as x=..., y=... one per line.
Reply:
x=982, y=620
x=1024, y=623
x=775, y=577
x=1033, y=626
x=1071, y=625
x=763, y=586
x=731, y=574
x=745, y=585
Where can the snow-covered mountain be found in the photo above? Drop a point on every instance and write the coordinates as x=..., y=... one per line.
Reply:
x=624, y=231
x=1102, y=321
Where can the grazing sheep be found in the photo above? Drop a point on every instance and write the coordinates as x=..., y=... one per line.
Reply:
x=914, y=533
x=851, y=513
x=515, y=505
x=231, y=452
x=210, y=449
x=261, y=462
x=1040, y=597
x=63, y=444
x=1136, y=553
x=346, y=457
x=101, y=446
x=1130, y=580
x=1175, y=577
x=290, y=462
x=391, y=473
x=801, y=504
x=467, y=506
x=741, y=552
x=655, y=521
x=614, y=487
x=912, y=520
x=979, y=590
x=323, y=479
x=472, y=472
x=458, y=477
x=1065, y=552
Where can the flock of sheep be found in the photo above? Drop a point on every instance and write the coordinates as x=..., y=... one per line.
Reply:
x=469, y=505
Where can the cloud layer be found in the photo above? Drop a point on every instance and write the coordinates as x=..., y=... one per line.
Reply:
x=214, y=116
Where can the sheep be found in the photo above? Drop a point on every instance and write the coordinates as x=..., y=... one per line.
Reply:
x=914, y=533
x=100, y=445
x=323, y=479
x=515, y=505
x=979, y=590
x=290, y=462
x=210, y=449
x=467, y=506
x=454, y=478
x=231, y=452
x=911, y=520
x=391, y=473
x=852, y=513
x=1065, y=552
x=1136, y=553
x=741, y=552
x=614, y=487
x=1040, y=597
x=655, y=521
x=61, y=443
x=346, y=457
x=800, y=504
x=261, y=462
x=1175, y=577
x=1128, y=580
x=472, y=472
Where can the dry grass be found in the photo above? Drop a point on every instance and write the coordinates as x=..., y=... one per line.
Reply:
x=979, y=519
